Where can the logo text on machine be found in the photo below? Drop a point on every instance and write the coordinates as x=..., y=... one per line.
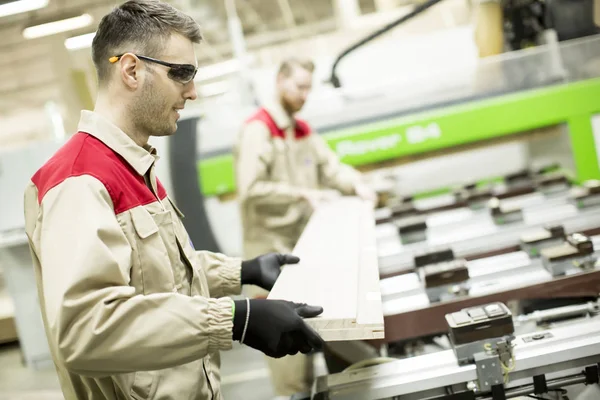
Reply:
x=360, y=147
x=418, y=134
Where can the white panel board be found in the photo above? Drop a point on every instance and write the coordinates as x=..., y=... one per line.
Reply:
x=339, y=271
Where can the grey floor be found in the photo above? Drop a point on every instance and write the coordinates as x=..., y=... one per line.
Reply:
x=244, y=371
x=20, y=383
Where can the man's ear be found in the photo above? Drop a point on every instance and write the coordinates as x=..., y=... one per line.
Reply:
x=130, y=70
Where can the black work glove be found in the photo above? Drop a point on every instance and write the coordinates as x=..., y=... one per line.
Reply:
x=276, y=327
x=263, y=270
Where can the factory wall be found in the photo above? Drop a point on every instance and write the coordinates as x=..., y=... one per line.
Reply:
x=16, y=168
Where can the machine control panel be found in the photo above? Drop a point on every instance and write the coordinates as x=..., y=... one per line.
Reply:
x=479, y=323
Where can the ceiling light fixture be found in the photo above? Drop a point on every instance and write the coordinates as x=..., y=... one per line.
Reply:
x=52, y=28
x=80, y=42
x=218, y=70
x=21, y=6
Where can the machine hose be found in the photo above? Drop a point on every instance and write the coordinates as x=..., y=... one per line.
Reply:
x=334, y=79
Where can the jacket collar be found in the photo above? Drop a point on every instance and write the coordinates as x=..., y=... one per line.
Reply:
x=279, y=115
x=140, y=158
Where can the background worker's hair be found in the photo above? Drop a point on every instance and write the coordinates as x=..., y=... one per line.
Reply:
x=286, y=67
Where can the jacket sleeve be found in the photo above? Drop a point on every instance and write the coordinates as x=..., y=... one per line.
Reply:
x=223, y=273
x=254, y=157
x=333, y=173
x=97, y=323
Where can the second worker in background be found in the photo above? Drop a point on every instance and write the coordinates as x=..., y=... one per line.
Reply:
x=283, y=171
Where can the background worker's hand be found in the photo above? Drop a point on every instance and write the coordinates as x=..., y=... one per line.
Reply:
x=276, y=327
x=363, y=191
x=318, y=197
x=264, y=270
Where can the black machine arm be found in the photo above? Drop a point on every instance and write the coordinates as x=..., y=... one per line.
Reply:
x=335, y=80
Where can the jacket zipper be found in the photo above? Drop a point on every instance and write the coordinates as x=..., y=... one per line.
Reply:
x=188, y=264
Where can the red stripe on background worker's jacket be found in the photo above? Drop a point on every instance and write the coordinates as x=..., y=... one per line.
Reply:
x=302, y=128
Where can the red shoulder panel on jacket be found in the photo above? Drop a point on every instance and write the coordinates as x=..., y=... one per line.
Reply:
x=302, y=128
x=83, y=154
x=263, y=116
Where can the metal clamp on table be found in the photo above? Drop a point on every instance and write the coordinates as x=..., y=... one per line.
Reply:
x=433, y=257
x=549, y=236
x=576, y=253
x=445, y=280
x=586, y=195
x=476, y=198
x=553, y=183
x=519, y=178
x=503, y=215
x=412, y=229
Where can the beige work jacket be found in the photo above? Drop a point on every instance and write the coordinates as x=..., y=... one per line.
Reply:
x=278, y=160
x=131, y=310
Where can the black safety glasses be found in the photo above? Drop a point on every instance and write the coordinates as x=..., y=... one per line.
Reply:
x=182, y=73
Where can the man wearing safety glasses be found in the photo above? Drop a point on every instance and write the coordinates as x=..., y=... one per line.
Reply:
x=131, y=309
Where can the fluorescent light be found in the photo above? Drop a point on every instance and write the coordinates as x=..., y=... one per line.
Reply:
x=18, y=7
x=52, y=28
x=217, y=70
x=80, y=42
x=58, y=126
x=214, y=89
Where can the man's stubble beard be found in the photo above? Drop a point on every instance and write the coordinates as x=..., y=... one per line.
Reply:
x=148, y=112
x=287, y=105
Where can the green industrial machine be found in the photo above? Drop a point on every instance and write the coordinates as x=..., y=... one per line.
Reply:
x=556, y=83
x=573, y=104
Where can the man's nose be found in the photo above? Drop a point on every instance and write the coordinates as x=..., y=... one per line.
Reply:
x=191, y=92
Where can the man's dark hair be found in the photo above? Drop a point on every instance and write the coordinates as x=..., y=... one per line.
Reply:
x=288, y=65
x=141, y=26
